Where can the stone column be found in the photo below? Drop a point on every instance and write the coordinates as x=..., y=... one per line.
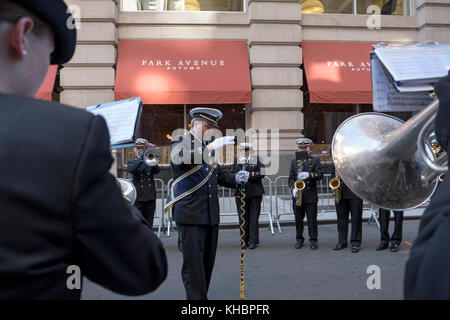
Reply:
x=275, y=60
x=88, y=79
x=433, y=20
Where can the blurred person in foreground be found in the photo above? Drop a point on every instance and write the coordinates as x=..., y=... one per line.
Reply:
x=60, y=206
x=427, y=273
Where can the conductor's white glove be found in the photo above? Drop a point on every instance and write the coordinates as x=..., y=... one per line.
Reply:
x=294, y=193
x=242, y=176
x=303, y=175
x=221, y=142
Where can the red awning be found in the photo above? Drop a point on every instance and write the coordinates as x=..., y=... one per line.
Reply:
x=46, y=89
x=183, y=71
x=338, y=72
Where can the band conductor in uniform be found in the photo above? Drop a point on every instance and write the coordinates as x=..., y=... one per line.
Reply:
x=144, y=180
x=304, y=173
x=60, y=206
x=194, y=200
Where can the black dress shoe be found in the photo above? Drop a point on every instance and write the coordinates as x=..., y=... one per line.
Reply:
x=314, y=246
x=395, y=247
x=382, y=246
x=252, y=246
x=340, y=246
x=355, y=249
x=299, y=244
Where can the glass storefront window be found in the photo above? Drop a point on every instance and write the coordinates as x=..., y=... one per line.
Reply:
x=387, y=7
x=183, y=5
x=158, y=122
x=322, y=120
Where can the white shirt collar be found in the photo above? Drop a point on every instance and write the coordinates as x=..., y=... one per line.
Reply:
x=196, y=137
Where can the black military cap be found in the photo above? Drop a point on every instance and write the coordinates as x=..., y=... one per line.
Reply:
x=212, y=116
x=56, y=14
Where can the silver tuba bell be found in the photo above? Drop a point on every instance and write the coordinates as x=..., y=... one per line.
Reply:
x=388, y=162
x=152, y=156
x=128, y=190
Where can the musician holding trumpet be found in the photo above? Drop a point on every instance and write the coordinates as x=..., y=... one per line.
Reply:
x=143, y=172
x=305, y=171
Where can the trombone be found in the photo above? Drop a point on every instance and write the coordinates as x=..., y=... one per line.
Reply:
x=388, y=162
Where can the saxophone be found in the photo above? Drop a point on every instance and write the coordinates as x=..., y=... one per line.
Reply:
x=335, y=185
x=299, y=185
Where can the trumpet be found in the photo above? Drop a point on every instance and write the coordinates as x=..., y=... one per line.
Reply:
x=151, y=156
x=387, y=162
x=335, y=185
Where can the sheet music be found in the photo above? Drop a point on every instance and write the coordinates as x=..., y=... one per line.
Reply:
x=428, y=88
x=387, y=99
x=416, y=62
x=120, y=118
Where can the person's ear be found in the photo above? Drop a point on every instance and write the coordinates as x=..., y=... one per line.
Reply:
x=19, y=37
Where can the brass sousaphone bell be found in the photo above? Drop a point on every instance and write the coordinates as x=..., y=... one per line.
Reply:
x=388, y=162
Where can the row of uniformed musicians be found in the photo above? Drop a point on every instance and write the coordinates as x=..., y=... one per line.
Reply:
x=194, y=199
x=309, y=170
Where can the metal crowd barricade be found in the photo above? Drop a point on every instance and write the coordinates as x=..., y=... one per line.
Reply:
x=227, y=206
x=160, y=193
x=283, y=199
x=165, y=220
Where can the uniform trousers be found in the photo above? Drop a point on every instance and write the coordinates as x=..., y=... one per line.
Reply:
x=310, y=209
x=384, y=226
x=343, y=209
x=147, y=208
x=251, y=218
x=199, y=245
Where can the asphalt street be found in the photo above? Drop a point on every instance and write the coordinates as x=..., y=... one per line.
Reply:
x=276, y=270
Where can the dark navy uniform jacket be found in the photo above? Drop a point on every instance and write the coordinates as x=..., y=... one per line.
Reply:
x=202, y=206
x=143, y=179
x=254, y=186
x=313, y=166
x=60, y=206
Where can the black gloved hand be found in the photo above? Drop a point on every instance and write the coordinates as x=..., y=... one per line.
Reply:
x=442, y=89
